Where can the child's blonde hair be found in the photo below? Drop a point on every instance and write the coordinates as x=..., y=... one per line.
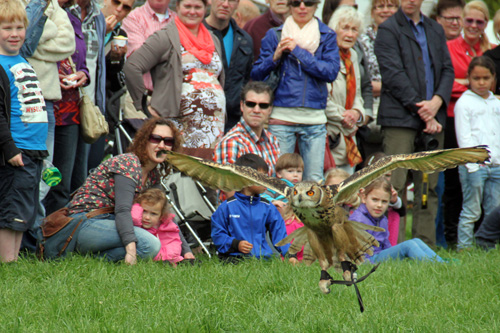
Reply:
x=153, y=196
x=289, y=160
x=379, y=183
x=11, y=11
x=354, y=200
x=335, y=173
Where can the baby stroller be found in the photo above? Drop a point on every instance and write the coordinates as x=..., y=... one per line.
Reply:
x=188, y=199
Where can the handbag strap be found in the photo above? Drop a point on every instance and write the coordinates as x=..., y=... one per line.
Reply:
x=73, y=67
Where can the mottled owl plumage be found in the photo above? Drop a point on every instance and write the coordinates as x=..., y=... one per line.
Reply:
x=328, y=235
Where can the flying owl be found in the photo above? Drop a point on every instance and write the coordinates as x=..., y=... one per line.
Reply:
x=328, y=235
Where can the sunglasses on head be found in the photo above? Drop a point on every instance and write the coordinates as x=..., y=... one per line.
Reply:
x=470, y=21
x=296, y=3
x=263, y=106
x=156, y=139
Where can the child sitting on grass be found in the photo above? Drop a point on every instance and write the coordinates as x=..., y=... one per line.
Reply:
x=150, y=212
x=375, y=201
x=240, y=223
x=289, y=168
x=396, y=208
x=335, y=176
x=23, y=132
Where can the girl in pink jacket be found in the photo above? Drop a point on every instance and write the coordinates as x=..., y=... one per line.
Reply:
x=150, y=212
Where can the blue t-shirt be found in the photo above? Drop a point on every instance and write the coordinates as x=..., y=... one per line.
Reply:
x=228, y=44
x=28, y=116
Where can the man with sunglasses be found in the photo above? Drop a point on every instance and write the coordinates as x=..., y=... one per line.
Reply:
x=248, y=136
x=417, y=79
x=237, y=54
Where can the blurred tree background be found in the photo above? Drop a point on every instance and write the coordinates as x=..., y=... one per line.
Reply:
x=493, y=6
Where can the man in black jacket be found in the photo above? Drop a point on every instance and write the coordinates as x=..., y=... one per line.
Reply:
x=237, y=57
x=417, y=78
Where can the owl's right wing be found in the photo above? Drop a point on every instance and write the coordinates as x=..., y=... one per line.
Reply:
x=428, y=161
x=226, y=177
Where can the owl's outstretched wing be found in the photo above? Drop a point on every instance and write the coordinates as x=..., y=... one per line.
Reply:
x=429, y=161
x=226, y=177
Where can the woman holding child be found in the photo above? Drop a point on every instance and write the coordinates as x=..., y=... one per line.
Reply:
x=114, y=184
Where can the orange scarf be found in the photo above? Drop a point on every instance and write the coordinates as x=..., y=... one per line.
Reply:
x=202, y=46
x=352, y=152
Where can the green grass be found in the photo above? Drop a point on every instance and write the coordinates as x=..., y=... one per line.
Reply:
x=87, y=294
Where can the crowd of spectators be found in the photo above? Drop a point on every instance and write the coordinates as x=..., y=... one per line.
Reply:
x=339, y=88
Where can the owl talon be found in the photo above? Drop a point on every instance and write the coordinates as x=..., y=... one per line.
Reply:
x=324, y=286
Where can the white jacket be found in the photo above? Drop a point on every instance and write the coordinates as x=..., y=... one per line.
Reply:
x=335, y=107
x=57, y=43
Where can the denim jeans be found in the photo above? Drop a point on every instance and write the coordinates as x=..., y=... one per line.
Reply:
x=478, y=188
x=65, y=143
x=311, y=145
x=99, y=236
x=413, y=249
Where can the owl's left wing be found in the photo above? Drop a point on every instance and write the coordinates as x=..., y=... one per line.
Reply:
x=226, y=177
x=429, y=161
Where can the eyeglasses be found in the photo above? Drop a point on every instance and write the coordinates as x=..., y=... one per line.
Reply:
x=296, y=3
x=385, y=6
x=479, y=23
x=451, y=19
x=263, y=106
x=156, y=139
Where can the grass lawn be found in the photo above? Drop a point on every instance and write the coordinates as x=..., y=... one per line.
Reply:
x=87, y=294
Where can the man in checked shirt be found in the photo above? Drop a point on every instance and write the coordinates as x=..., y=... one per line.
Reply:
x=249, y=135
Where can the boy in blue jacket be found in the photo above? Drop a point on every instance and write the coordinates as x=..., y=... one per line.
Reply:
x=240, y=223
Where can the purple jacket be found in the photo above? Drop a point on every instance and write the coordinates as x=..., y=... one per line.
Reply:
x=81, y=49
x=362, y=215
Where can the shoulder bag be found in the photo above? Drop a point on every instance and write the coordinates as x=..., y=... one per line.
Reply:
x=93, y=125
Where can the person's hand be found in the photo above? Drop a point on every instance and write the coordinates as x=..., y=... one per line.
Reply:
x=351, y=117
x=376, y=88
x=16, y=161
x=286, y=44
x=131, y=254
x=394, y=195
x=117, y=53
x=111, y=22
x=464, y=82
x=153, y=112
x=245, y=247
x=294, y=261
x=189, y=255
x=80, y=78
x=279, y=204
x=429, y=109
x=433, y=127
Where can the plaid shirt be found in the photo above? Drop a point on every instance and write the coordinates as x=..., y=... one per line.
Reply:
x=241, y=140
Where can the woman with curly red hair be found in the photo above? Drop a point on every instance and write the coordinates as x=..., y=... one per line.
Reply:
x=114, y=184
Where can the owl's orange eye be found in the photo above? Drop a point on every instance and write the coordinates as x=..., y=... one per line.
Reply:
x=310, y=193
x=294, y=192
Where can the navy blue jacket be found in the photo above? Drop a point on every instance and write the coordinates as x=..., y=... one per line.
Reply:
x=247, y=218
x=403, y=73
x=303, y=76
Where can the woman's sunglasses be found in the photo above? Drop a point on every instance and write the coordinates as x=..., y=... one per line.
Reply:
x=296, y=3
x=263, y=106
x=156, y=139
x=479, y=23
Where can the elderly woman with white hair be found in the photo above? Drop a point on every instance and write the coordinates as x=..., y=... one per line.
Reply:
x=344, y=108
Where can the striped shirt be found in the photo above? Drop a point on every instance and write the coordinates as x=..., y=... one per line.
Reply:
x=241, y=140
x=141, y=23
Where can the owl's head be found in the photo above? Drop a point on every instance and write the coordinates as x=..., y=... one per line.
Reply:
x=307, y=195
